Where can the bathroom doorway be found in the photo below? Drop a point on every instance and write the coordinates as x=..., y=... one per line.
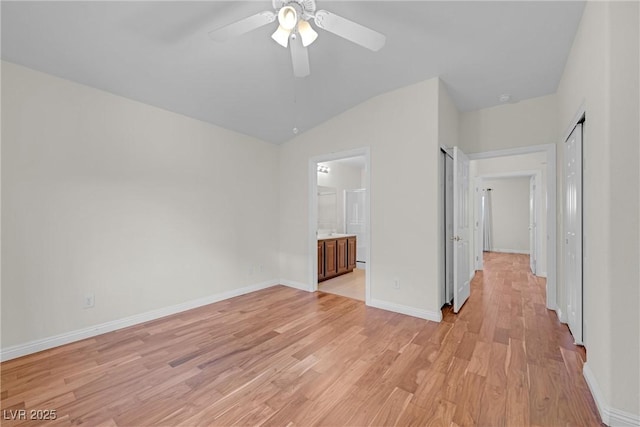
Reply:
x=339, y=223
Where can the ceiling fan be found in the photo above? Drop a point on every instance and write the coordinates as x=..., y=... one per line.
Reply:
x=295, y=32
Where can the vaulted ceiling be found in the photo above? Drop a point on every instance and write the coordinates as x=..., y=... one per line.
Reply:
x=159, y=53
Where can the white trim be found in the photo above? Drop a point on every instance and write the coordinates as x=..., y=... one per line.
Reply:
x=550, y=150
x=514, y=174
x=313, y=214
x=509, y=152
x=92, y=331
x=296, y=285
x=561, y=315
x=447, y=150
x=610, y=416
x=435, y=316
x=511, y=251
x=478, y=229
x=580, y=114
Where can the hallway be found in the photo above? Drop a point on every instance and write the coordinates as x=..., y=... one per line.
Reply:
x=521, y=359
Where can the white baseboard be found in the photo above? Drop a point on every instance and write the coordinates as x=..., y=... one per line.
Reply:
x=384, y=305
x=91, y=331
x=511, y=251
x=296, y=285
x=610, y=416
x=435, y=316
x=542, y=274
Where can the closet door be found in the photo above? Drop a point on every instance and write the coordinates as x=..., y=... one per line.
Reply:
x=572, y=223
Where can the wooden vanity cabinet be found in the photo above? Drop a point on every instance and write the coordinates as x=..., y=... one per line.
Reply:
x=320, y=260
x=341, y=262
x=330, y=258
x=351, y=253
x=336, y=256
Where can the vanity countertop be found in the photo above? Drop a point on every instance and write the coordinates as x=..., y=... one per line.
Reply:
x=334, y=236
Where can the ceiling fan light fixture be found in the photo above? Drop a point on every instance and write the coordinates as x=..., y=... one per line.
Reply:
x=307, y=33
x=281, y=36
x=288, y=18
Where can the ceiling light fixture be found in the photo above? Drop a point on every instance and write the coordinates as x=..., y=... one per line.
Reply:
x=296, y=32
x=323, y=169
x=307, y=33
x=287, y=18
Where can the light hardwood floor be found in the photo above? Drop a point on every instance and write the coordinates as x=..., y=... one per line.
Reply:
x=350, y=285
x=286, y=357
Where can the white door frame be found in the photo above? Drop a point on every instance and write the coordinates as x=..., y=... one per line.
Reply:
x=534, y=237
x=550, y=150
x=313, y=213
x=479, y=232
x=446, y=199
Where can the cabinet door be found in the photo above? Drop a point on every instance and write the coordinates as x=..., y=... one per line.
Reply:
x=342, y=255
x=320, y=260
x=351, y=253
x=330, y=267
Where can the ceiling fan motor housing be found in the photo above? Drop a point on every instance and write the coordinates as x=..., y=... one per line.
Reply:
x=305, y=8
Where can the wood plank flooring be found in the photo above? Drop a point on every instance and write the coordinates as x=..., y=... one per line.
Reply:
x=286, y=357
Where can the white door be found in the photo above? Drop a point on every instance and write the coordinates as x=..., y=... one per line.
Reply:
x=572, y=223
x=449, y=243
x=532, y=225
x=461, y=270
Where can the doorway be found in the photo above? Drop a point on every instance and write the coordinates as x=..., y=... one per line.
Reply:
x=339, y=231
x=507, y=210
x=546, y=208
x=456, y=270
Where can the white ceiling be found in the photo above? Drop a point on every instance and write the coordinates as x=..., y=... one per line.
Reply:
x=159, y=53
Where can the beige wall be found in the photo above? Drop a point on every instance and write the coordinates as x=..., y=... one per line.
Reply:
x=530, y=122
x=602, y=74
x=400, y=127
x=510, y=212
x=143, y=207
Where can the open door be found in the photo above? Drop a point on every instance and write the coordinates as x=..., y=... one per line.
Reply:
x=461, y=247
x=532, y=225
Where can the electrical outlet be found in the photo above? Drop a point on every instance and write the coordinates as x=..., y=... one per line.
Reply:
x=89, y=301
x=260, y=268
x=396, y=283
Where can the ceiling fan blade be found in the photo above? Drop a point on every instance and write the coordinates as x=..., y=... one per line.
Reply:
x=299, y=57
x=243, y=26
x=350, y=30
